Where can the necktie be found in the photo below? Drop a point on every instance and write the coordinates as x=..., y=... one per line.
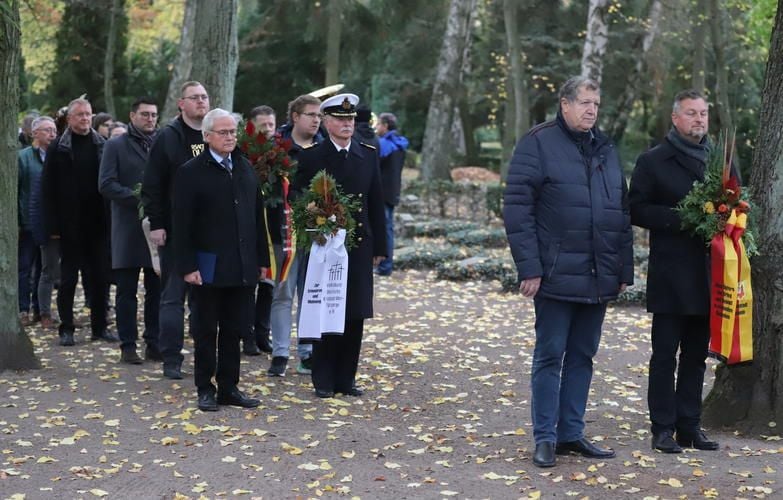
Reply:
x=344, y=153
x=226, y=164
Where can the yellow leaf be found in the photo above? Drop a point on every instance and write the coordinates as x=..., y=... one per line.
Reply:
x=93, y=416
x=308, y=466
x=112, y=423
x=521, y=432
x=293, y=450
x=534, y=495
x=241, y=492
x=699, y=473
x=579, y=476
x=168, y=441
x=348, y=454
x=228, y=459
x=391, y=465
x=45, y=460
x=161, y=414
x=672, y=481
x=259, y=432
x=192, y=429
x=99, y=493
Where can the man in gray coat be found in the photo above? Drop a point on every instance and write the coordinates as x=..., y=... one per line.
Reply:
x=122, y=170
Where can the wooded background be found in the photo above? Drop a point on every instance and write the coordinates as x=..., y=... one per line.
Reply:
x=465, y=77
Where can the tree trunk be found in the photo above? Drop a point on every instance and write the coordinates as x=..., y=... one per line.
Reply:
x=183, y=64
x=437, y=144
x=721, y=71
x=16, y=350
x=698, y=25
x=108, y=59
x=751, y=396
x=521, y=119
x=333, y=35
x=596, y=39
x=626, y=100
x=216, y=51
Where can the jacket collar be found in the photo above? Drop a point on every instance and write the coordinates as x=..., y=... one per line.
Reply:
x=66, y=140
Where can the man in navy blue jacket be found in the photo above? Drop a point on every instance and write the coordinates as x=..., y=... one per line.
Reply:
x=569, y=228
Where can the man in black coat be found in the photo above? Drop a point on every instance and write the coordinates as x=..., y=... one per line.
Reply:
x=354, y=167
x=220, y=249
x=74, y=213
x=677, y=278
x=177, y=143
x=122, y=169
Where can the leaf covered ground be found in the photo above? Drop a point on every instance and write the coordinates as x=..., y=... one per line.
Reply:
x=446, y=413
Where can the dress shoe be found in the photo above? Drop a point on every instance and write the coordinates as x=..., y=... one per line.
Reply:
x=697, y=440
x=207, y=401
x=151, y=353
x=323, y=393
x=235, y=397
x=262, y=341
x=66, y=339
x=129, y=356
x=353, y=391
x=104, y=335
x=249, y=348
x=664, y=442
x=585, y=448
x=544, y=455
x=172, y=372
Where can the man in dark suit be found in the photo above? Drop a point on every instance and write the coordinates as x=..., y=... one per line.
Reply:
x=677, y=278
x=220, y=249
x=122, y=169
x=75, y=214
x=354, y=167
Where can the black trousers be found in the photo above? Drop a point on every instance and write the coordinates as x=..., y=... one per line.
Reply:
x=261, y=304
x=222, y=314
x=675, y=405
x=87, y=255
x=336, y=357
x=127, y=304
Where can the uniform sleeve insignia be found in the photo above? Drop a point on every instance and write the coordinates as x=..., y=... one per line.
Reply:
x=368, y=146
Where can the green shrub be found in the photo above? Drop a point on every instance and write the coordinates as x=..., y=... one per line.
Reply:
x=487, y=238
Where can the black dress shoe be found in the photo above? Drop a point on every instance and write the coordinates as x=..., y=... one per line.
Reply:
x=207, y=401
x=353, y=391
x=544, y=455
x=585, y=448
x=172, y=372
x=235, y=397
x=151, y=353
x=130, y=357
x=66, y=339
x=323, y=393
x=262, y=341
x=697, y=440
x=664, y=442
x=104, y=335
x=249, y=348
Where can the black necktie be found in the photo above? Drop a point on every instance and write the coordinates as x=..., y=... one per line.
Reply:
x=226, y=164
x=344, y=153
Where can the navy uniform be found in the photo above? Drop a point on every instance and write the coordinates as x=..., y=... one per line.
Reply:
x=336, y=357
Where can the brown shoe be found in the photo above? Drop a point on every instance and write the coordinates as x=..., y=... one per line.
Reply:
x=47, y=321
x=24, y=319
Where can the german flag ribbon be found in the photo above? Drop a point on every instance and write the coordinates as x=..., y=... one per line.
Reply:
x=731, y=295
x=289, y=243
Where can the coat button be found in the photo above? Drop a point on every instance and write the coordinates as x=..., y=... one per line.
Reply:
x=361, y=194
x=236, y=202
x=359, y=238
x=360, y=209
x=360, y=224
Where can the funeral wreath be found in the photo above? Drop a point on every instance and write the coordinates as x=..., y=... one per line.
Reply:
x=322, y=210
x=270, y=160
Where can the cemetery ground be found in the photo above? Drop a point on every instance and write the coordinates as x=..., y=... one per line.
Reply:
x=446, y=413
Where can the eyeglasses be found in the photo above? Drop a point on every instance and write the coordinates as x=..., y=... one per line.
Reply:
x=314, y=115
x=147, y=114
x=48, y=130
x=225, y=133
x=197, y=97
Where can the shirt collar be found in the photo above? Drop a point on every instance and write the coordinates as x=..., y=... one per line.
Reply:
x=339, y=148
x=219, y=158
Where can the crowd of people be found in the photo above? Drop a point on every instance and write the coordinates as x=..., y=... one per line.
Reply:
x=181, y=206
x=567, y=210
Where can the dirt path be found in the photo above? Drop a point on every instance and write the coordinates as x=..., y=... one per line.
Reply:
x=446, y=414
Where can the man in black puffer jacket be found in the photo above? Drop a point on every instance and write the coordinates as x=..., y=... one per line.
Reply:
x=568, y=225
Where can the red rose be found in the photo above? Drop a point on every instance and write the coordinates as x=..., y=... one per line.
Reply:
x=286, y=162
x=261, y=139
x=722, y=208
x=287, y=144
x=250, y=128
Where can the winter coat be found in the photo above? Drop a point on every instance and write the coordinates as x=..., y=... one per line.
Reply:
x=392, y=150
x=566, y=214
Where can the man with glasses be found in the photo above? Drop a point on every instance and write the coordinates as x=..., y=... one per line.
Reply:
x=122, y=169
x=75, y=213
x=178, y=142
x=31, y=234
x=304, y=129
x=220, y=249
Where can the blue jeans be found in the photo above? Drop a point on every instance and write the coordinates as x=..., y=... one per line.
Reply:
x=282, y=307
x=29, y=272
x=171, y=337
x=386, y=265
x=50, y=274
x=567, y=337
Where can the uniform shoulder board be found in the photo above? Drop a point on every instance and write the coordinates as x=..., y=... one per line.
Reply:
x=368, y=145
x=308, y=146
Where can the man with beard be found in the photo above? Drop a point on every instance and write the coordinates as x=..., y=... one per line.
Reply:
x=677, y=277
x=74, y=213
x=122, y=169
x=177, y=143
x=354, y=167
